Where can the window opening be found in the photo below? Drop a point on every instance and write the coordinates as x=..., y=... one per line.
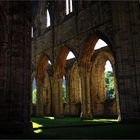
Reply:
x=49, y=62
x=64, y=89
x=70, y=56
x=100, y=44
x=69, y=7
x=34, y=92
x=109, y=78
x=48, y=23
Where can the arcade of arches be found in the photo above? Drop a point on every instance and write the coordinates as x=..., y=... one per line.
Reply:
x=85, y=86
x=37, y=76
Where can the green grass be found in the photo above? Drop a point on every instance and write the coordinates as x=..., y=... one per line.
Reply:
x=99, y=128
x=53, y=122
x=79, y=129
x=110, y=131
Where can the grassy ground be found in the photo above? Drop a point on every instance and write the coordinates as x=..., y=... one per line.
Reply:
x=73, y=121
x=74, y=128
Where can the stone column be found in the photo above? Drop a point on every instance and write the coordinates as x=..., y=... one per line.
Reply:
x=15, y=69
x=47, y=95
x=126, y=26
x=72, y=103
x=85, y=94
x=40, y=99
x=57, y=100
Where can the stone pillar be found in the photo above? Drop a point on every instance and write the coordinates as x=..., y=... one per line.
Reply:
x=126, y=26
x=97, y=89
x=15, y=69
x=85, y=94
x=71, y=94
x=101, y=90
x=40, y=99
x=57, y=100
x=47, y=95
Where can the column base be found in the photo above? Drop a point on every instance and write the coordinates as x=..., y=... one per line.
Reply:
x=16, y=128
x=86, y=116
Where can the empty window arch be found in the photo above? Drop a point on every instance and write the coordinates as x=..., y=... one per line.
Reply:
x=69, y=7
x=64, y=89
x=100, y=44
x=108, y=66
x=70, y=56
x=48, y=21
x=109, y=79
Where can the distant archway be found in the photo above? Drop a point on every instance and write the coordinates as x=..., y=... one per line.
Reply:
x=43, y=104
x=102, y=105
x=87, y=52
x=62, y=67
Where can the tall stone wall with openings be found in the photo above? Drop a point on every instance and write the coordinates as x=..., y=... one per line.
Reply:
x=117, y=25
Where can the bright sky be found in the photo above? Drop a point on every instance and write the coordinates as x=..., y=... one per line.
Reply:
x=100, y=44
x=70, y=56
x=108, y=66
x=48, y=19
x=49, y=62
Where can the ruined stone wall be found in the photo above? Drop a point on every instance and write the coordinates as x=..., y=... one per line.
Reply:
x=118, y=26
x=74, y=30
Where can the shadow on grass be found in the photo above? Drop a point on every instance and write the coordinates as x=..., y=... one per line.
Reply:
x=75, y=128
x=69, y=128
x=51, y=122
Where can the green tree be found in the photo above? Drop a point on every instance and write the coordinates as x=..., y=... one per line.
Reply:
x=34, y=96
x=109, y=78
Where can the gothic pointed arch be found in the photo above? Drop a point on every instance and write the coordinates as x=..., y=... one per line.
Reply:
x=43, y=87
x=98, y=84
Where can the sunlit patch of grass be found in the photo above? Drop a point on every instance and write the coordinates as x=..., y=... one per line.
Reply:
x=48, y=117
x=38, y=131
x=102, y=120
x=36, y=125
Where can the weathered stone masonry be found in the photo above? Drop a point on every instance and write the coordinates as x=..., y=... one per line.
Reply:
x=115, y=22
x=15, y=67
x=117, y=25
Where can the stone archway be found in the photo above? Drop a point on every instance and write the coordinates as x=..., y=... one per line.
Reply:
x=76, y=88
x=73, y=91
x=85, y=66
x=59, y=72
x=57, y=99
x=101, y=107
x=43, y=106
